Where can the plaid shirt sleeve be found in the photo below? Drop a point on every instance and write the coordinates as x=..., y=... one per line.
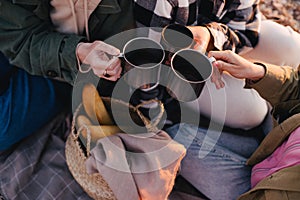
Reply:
x=159, y=13
x=234, y=24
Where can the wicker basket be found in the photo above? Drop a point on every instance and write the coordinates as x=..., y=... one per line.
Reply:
x=76, y=155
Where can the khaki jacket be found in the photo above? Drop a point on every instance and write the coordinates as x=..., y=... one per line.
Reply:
x=280, y=87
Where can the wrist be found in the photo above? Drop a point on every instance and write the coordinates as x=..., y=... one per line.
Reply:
x=259, y=72
x=78, y=59
x=78, y=54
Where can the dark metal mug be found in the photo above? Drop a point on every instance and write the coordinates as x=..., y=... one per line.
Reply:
x=188, y=72
x=175, y=37
x=143, y=57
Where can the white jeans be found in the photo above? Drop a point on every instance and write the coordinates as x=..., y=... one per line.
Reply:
x=222, y=173
x=279, y=45
x=244, y=108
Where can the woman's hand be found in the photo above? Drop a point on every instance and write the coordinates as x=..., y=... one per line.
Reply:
x=236, y=65
x=202, y=38
x=101, y=58
x=204, y=43
x=216, y=78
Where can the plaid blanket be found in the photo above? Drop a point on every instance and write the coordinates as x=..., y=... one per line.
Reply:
x=36, y=168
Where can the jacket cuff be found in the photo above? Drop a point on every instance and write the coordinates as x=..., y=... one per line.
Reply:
x=250, y=82
x=272, y=80
x=61, y=64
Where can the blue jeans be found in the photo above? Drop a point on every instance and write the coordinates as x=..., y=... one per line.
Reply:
x=27, y=103
x=216, y=167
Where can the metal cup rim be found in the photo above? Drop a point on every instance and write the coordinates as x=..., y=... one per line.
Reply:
x=185, y=80
x=145, y=38
x=172, y=46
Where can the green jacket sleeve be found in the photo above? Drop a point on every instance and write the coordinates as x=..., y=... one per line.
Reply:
x=280, y=84
x=29, y=40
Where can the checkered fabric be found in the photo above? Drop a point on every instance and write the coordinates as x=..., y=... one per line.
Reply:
x=234, y=24
x=35, y=169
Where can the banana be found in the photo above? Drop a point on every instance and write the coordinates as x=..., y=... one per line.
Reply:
x=94, y=106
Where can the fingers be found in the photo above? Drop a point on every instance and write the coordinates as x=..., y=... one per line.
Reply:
x=101, y=58
x=114, y=77
x=84, y=50
x=225, y=61
x=223, y=66
x=110, y=70
x=226, y=55
x=114, y=69
x=107, y=48
x=216, y=78
x=218, y=83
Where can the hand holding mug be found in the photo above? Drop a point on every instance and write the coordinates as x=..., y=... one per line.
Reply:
x=203, y=43
x=202, y=38
x=101, y=58
x=237, y=66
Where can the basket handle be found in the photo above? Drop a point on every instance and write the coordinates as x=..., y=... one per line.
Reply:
x=73, y=132
x=151, y=126
x=76, y=133
x=88, y=138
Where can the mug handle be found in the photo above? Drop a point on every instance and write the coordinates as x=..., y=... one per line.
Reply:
x=84, y=68
x=121, y=55
x=211, y=59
